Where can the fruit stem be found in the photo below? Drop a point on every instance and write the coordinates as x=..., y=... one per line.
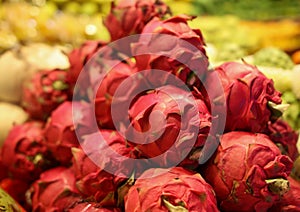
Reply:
x=278, y=186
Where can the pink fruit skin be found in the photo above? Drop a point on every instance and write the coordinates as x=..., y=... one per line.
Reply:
x=60, y=133
x=178, y=186
x=290, y=201
x=44, y=92
x=105, y=93
x=54, y=191
x=24, y=151
x=282, y=134
x=129, y=17
x=247, y=93
x=239, y=169
x=79, y=59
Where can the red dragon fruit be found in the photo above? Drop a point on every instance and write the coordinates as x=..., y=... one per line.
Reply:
x=282, y=134
x=249, y=95
x=105, y=92
x=248, y=172
x=25, y=153
x=167, y=49
x=54, y=191
x=79, y=58
x=91, y=207
x=44, y=92
x=290, y=201
x=129, y=17
x=60, y=133
x=176, y=190
x=98, y=171
x=168, y=120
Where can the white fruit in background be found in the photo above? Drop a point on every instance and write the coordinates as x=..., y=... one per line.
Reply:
x=10, y=114
x=19, y=64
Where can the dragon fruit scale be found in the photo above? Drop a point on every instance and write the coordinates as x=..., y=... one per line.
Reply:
x=25, y=153
x=176, y=190
x=44, y=92
x=250, y=96
x=55, y=190
x=256, y=181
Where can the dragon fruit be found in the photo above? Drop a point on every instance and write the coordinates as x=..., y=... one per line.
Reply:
x=78, y=58
x=250, y=96
x=99, y=171
x=282, y=134
x=129, y=17
x=54, y=191
x=166, y=49
x=176, y=190
x=168, y=120
x=60, y=133
x=290, y=201
x=256, y=181
x=25, y=153
x=105, y=92
x=44, y=92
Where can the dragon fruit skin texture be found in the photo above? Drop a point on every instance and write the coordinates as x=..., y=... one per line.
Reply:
x=175, y=190
x=256, y=181
x=105, y=92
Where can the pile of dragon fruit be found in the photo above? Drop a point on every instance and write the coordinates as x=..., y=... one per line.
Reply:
x=45, y=168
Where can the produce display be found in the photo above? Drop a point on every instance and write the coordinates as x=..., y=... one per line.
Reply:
x=134, y=105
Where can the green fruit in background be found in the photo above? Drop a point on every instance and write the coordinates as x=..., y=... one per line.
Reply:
x=230, y=51
x=273, y=57
x=292, y=114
